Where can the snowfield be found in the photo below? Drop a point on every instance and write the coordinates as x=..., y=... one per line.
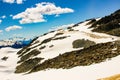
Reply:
x=92, y=72
x=60, y=46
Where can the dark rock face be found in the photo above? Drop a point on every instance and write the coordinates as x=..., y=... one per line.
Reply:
x=4, y=58
x=91, y=54
x=94, y=54
x=82, y=43
x=108, y=24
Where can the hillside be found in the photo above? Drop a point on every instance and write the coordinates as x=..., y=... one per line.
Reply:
x=77, y=45
x=87, y=50
x=108, y=24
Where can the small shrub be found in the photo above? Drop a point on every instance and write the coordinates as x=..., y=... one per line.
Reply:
x=60, y=33
x=85, y=57
x=58, y=38
x=115, y=32
x=71, y=29
x=28, y=55
x=27, y=65
x=51, y=46
x=4, y=58
x=108, y=24
x=42, y=47
x=91, y=21
x=46, y=41
x=82, y=43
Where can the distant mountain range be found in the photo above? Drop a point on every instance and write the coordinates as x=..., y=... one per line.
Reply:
x=16, y=42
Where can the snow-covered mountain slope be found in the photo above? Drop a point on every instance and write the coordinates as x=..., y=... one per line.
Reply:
x=60, y=41
x=8, y=61
x=56, y=43
x=92, y=72
x=89, y=50
x=109, y=24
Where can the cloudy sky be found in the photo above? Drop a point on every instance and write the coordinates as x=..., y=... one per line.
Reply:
x=28, y=18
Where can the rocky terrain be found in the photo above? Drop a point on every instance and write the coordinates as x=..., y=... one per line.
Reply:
x=91, y=47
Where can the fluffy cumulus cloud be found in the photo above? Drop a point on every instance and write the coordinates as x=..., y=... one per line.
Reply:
x=0, y=21
x=3, y=17
x=15, y=27
x=14, y=1
x=1, y=31
x=36, y=14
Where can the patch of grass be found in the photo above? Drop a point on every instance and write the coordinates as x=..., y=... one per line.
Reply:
x=108, y=24
x=46, y=41
x=23, y=51
x=58, y=38
x=28, y=55
x=115, y=32
x=42, y=47
x=60, y=33
x=93, y=54
x=4, y=58
x=71, y=29
x=91, y=21
x=28, y=48
x=82, y=43
x=51, y=46
x=27, y=65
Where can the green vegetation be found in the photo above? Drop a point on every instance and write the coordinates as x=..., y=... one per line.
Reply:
x=42, y=47
x=91, y=53
x=91, y=21
x=58, y=38
x=28, y=55
x=4, y=58
x=46, y=41
x=51, y=46
x=23, y=51
x=94, y=54
x=108, y=24
x=82, y=43
x=27, y=65
x=60, y=33
x=115, y=32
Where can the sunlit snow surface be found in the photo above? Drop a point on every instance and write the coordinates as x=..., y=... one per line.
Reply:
x=92, y=72
x=82, y=31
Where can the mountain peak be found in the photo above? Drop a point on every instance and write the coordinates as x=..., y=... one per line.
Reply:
x=117, y=12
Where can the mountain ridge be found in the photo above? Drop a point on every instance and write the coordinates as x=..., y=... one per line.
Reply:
x=86, y=50
x=15, y=42
x=52, y=45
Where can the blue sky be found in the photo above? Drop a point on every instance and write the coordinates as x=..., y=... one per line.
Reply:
x=47, y=14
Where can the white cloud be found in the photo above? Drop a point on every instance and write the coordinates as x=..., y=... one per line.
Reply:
x=15, y=27
x=11, y=15
x=3, y=17
x=14, y=1
x=19, y=1
x=1, y=31
x=0, y=21
x=36, y=14
x=9, y=1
